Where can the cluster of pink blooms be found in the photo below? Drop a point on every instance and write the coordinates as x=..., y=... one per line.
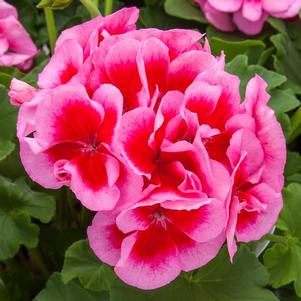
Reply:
x=16, y=46
x=247, y=15
x=148, y=129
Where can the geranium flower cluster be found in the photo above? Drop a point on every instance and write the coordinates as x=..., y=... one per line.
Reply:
x=248, y=16
x=16, y=46
x=148, y=129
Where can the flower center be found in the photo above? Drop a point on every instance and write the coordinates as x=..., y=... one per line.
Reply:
x=159, y=217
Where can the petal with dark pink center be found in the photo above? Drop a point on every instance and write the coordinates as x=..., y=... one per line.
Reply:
x=201, y=98
x=122, y=70
x=154, y=56
x=202, y=224
x=185, y=68
x=112, y=102
x=93, y=178
x=148, y=259
x=67, y=114
x=63, y=65
x=192, y=254
x=135, y=130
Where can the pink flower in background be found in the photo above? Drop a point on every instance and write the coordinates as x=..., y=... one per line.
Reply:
x=247, y=15
x=149, y=127
x=16, y=46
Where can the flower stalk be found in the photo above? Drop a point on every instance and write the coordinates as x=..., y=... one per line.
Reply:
x=50, y=27
x=91, y=7
x=275, y=238
x=108, y=7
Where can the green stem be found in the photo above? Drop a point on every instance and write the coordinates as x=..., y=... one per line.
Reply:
x=91, y=8
x=96, y=3
x=50, y=27
x=38, y=260
x=275, y=238
x=108, y=7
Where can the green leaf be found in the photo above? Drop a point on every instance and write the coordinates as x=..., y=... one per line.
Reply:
x=239, y=66
x=293, y=164
x=285, y=122
x=287, y=61
x=8, y=117
x=81, y=262
x=234, y=44
x=220, y=280
x=17, y=204
x=296, y=126
x=283, y=262
x=184, y=9
x=56, y=290
x=4, y=294
x=155, y=16
x=290, y=217
x=283, y=101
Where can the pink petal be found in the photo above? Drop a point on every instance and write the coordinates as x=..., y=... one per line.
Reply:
x=63, y=65
x=249, y=27
x=221, y=20
x=277, y=6
x=202, y=224
x=21, y=45
x=252, y=10
x=268, y=131
x=39, y=166
x=112, y=102
x=122, y=70
x=155, y=60
x=193, y=255
x=229, y=100
x=66, y=109
x=184, y=69
x=246, y=141
x=226, y=6
x=179, y=41
x=105, y=238
x=76, y=32
x=202, y=98
x=135, y=130
x=7, y=10
x=148, y=259
x=93, y=178
x=252, y=225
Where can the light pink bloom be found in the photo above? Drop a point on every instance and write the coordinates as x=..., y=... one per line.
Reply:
x=16, y=46
x=247, y=15
x=151, y=243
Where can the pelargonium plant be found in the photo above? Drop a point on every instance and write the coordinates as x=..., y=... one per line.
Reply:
x=148, y=130
x=163, y=146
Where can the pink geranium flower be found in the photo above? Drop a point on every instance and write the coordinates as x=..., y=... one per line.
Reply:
x=247, y=15
x=149, y=127
x=16, y=46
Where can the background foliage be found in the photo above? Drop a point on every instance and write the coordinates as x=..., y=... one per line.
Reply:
x=43, y=252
